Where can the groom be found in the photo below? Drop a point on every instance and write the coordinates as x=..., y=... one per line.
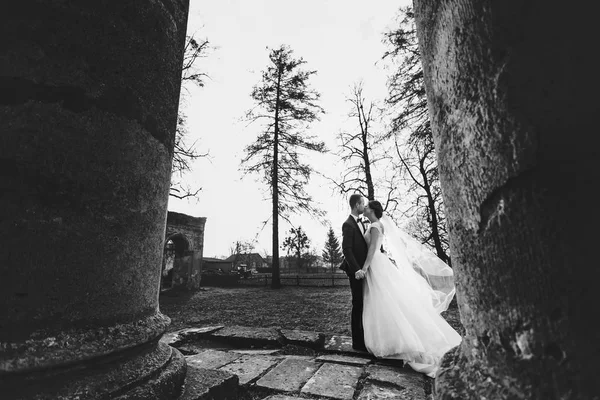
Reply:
x=355, y=250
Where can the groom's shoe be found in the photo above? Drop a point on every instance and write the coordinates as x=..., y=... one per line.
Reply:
x=360, y=348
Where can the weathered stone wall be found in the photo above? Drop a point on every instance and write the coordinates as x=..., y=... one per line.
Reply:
x=89, y=93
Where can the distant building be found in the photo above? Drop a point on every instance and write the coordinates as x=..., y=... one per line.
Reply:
x=252, y=261
x=216, y=264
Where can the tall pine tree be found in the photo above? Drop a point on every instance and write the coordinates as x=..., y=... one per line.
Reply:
x=287, y=105
x=332, y=252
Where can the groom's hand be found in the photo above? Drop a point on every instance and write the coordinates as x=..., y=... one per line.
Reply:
x=359, y=274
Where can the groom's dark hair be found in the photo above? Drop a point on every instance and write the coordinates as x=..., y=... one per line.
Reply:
x=354, y=199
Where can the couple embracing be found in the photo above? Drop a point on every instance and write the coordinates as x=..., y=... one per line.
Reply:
x=397, y=295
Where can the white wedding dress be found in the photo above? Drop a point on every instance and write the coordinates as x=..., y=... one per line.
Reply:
x=401, y=314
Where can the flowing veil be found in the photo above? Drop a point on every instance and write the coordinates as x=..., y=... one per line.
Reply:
x=435, y=276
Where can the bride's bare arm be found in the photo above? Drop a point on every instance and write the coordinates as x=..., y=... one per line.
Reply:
x=373, y=246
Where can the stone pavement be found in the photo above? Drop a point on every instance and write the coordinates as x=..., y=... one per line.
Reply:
x=237, y=362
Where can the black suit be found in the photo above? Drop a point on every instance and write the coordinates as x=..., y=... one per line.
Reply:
x=355, y=251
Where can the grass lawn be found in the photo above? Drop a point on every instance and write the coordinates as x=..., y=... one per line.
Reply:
x=320, y=309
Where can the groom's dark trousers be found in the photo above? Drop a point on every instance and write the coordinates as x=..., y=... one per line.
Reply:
x=355, y=250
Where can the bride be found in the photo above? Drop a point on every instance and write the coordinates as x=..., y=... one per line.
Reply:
x=404, y=296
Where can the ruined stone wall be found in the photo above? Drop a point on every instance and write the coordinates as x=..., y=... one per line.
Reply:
x=187, y=267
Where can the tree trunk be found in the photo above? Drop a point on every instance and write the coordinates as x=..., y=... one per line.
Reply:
x=368, y=177
x=275, y=280
x=364, y=127
x=434, y=224
x=506, y=84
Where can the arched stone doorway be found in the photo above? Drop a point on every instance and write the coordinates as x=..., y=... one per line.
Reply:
x=183, y=249
x=175, y=257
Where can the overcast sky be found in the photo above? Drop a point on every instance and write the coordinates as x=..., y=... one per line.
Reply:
x=341, y=39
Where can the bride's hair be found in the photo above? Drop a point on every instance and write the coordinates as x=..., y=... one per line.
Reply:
x=376, y=207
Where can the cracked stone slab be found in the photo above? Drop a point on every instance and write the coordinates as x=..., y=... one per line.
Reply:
x=374, y=391
x=401, y=377
x=334, y=381
x=341, y=359
x=248, y=336
x=170, y=338
x=256, y=352
x=211, y=359
x=195, y=347
x=305, y=338
x=201, y=383
x=297, y=357
x=175, y=338
x=289, y=376
x=200, y=330
x=394, y=363
x=248, y=368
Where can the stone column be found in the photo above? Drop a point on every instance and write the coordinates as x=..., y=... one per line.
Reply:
x=512, y=91
x=88, y=106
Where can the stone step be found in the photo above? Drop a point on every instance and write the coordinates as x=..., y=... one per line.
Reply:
x=303, y=338
x=290, y=375
x=211, y=373
x=209, y=384
x=259, y=338
x=253, y=352
x=250, y=367
x=334, y=381
x=247, y=336
x=211, y=359
x=188, y=334
x=407, y=382
x=257, y=359
x=343, y=359
x=375, y=391
x=341, y=344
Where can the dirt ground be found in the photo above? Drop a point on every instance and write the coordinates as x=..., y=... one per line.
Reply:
x=320, y=309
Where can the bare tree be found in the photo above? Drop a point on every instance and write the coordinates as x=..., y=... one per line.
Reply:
x=419, y=167
x=288, y=105
x=362, y=151
x=357, y=147
x=415, y=154
x=184, y=154
x=194, y=50
x=238, y=248
x=296, y=243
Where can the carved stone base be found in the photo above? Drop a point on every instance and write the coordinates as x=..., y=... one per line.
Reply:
x=153, y=371
x=462, y=379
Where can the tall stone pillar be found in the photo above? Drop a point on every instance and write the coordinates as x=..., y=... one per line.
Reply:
x=88, y=105
x=512, y=90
